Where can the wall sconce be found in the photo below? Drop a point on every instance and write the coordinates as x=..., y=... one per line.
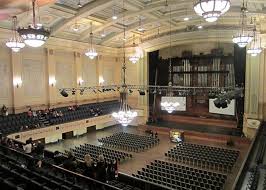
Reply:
x=101, y=80
x=80, y=81
x=17, y=82
x=52, y=81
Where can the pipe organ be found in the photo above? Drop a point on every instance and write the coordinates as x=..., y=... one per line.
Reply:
x=204, y=71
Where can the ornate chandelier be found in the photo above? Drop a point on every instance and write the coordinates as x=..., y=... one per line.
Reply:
x=35, y=35
x=243, y=37
x=255, y=47
x=15, y=42
x=134, y=58
x=124, y=116
x=168, y=102
x=91, y=53
x=211, y=10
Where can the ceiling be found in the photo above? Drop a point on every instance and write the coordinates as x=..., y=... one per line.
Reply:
x=61, y=16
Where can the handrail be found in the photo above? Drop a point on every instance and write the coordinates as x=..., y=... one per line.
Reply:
x=60, y=168
x=245, y=162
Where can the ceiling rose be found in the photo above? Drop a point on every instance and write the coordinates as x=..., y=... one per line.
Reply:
x=211, y=10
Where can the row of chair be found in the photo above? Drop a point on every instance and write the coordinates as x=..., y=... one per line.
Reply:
x=16, y=122
x=204, y=156
x=181, y=177
x=109, y=154
x=129, y=142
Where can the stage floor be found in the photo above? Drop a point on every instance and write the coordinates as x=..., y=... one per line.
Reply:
x=143, y=158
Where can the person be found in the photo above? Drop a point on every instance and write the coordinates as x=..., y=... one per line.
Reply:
x=28, y=147
x=30, y=112
x=156, y=135
x=70, y=163
x=101, y=169
x=89, y=170
x=58, y=158
x=4, y=111
x=111, y=170
x=39, y=149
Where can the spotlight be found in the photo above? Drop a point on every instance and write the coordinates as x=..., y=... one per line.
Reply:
x=81, y=92
x=142, y=93
x=64, y=93
x=130, y=91
x=94, y=91
x=99, y=91
x=200, y=27
x=73, y=91
x=79, y=4
x=186, y=18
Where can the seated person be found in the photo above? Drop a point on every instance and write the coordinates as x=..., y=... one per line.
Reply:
x=4, y=111
x=70, y=163
x=30, y=112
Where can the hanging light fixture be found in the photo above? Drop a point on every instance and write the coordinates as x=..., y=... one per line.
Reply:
x=211, y=10
x=243, y=37
x=255, y=47
x=35, y=35
x=15, y=42
x=134, y=58
x=124, y=116
x=91, y=53
x=169, y=102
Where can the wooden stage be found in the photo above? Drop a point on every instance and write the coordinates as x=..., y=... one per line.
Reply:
x=141, y=159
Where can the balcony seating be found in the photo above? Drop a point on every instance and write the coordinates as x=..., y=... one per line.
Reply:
x=181, y=177
x=129, y=142
x=109, y=154
x=208, y=157
x=15, y=122
x=84, y=111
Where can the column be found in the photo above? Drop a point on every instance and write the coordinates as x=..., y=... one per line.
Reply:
x=79, y=79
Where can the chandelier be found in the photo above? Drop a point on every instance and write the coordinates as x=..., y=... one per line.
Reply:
x=134, y=58
x=91, y=53
x=169, y=102
x=211, y=10
x=255, y=47
x=243, y=38
x=35, y=35
x=124, y=116
x=15, y=42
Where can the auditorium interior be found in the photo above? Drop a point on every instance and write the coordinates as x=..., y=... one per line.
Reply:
x=132, y=94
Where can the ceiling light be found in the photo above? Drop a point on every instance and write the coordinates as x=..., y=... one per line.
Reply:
x=103, y=35
x=140, y=29
x=134, y=58
x=91, y=53
x=114, y=17
x=124, y=116
x=243, y=37
x=35, y=35
x=200, y=26
x=255, y=47
x=186, y=18
x=211, y=10
x=15, y=42
x=168, y=102
x=79, y=4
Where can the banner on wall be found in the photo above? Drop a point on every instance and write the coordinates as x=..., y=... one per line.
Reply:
x=230, y=110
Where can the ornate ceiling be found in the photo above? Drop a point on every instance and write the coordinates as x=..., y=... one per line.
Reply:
x=62, y=16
